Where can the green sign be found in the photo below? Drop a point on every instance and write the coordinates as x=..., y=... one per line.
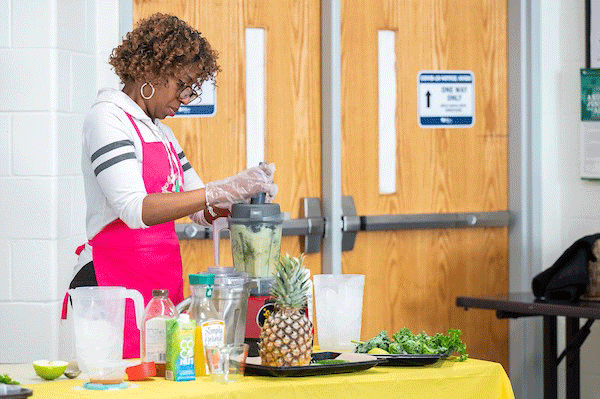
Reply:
x=590, y=94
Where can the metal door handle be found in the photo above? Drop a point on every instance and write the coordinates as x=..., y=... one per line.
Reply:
x=315, y=224
x=351, y=224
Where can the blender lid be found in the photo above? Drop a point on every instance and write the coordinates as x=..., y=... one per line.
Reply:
x=224, y=276
x=243, y=212
x=228, y=271
x=238, y=278
x=237, y=283
x=196, y=279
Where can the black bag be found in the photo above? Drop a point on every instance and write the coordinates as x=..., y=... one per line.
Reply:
x=567, y=278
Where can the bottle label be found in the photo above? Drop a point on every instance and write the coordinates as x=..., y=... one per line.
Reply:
x=156, y=340
x=213, y=334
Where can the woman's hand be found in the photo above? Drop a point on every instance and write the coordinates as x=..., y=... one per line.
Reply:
x=212, y=212
x=243, y=186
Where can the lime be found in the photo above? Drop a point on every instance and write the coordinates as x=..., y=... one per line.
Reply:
x=378, y=351
x=49, y=370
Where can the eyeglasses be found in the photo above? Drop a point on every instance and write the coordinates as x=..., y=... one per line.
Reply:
x=188, y=93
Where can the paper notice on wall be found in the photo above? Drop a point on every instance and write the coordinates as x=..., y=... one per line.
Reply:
x=589, y=134
x=594, y=32
x=590, y=150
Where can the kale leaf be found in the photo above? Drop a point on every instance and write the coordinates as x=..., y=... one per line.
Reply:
x=381, y=340
x=405, y=342
x=5, y=379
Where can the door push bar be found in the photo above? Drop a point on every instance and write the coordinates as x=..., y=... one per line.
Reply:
x=351, y=223
x=310, y=227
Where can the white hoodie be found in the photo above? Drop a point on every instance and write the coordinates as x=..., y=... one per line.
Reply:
x=112, y=164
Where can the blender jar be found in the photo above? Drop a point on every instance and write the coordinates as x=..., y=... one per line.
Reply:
x=255, y=232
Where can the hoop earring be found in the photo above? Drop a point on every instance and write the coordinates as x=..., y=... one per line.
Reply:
x=142, y=91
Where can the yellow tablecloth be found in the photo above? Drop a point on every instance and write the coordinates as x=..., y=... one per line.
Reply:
x=445, y=379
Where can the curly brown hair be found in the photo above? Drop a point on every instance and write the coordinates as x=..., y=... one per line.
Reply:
x=163, y=46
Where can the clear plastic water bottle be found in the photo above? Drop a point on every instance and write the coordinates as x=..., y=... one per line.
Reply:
x=153, y=335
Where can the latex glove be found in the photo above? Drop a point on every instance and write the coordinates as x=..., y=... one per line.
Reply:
x=242, y=187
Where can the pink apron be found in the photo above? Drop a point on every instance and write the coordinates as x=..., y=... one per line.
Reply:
x=141, y=259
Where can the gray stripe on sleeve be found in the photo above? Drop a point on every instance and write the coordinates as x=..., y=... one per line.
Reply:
x=185, y=163
x=112, y=161
x=110, y=147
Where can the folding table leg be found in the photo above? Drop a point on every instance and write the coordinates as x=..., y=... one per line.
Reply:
x=572, y=358
x=550, y=358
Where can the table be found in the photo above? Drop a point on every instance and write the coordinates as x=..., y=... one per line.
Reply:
x=524, y=304
x=445, y=379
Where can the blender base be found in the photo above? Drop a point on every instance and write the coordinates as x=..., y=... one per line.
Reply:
x=253, y=348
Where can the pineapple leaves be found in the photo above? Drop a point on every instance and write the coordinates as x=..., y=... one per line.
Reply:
x=291, y=282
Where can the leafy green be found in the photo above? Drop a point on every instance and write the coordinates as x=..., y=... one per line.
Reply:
x=331, y=361
x=381, y=340
x=5, y=379
x=405, y=342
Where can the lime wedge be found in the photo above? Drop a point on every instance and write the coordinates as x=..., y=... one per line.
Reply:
x=49, y=370
x=378, y=351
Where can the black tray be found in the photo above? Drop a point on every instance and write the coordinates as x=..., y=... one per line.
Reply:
x=23, y=393
x=355, y=362
x=408, y=360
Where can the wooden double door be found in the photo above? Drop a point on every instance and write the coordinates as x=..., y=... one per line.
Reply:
x=412, y=276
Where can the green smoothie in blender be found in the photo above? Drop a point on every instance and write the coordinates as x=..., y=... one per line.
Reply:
x=255, y=238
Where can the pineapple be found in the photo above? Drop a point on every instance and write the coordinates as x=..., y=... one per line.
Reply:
x=286, y=336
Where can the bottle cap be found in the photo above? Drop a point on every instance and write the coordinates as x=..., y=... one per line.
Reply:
x=184, y=317
x=141, y=371
x=160, y=292
x=196, y=279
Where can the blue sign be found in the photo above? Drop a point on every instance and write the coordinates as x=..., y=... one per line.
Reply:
x=196, y=110
x=203, y=106
x=446, y=99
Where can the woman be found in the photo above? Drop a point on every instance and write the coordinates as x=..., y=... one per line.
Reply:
x=137, y=178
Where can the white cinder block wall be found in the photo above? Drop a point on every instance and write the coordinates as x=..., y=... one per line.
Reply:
x=53, y=58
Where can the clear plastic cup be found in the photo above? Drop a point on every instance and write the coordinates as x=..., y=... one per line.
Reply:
x=227, y=362
x=338, y=308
